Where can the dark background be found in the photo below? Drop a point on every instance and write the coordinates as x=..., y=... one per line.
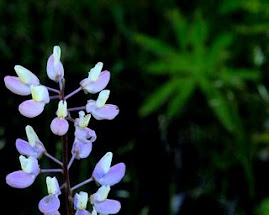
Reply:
x=187, y=150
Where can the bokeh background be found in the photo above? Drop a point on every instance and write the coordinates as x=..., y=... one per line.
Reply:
x=191, y=81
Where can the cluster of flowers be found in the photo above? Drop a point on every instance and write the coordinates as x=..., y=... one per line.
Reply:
x=27, y=83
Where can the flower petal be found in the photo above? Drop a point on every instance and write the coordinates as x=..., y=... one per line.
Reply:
x=98, y=85
x=109, y=206
x=20, y=179
x=114, y=175
x=16, y=86
x=26, y=76
x=31, y=108
x=54, y=73
x=53, y=213
x=59, y=126
x=103, y=166
x=82, y=212
x=49, y=204
x=40, y=94
x=82, y=150
x=108, y=111
x=85, y=135
x=25, y=148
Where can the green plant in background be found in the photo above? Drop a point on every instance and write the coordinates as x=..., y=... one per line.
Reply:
x=198, y=62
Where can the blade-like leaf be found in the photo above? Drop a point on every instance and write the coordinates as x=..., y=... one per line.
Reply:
x=179, y=26
x=233, y=76
x=158, y=98
x=184, y=91
x=177, y=64
x=154, y=45
x=218, y=50
x=219, y=105
x=198, y=33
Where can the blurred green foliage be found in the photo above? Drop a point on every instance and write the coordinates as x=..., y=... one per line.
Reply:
x=191, y=81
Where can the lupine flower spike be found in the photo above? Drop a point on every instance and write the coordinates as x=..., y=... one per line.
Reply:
x=32, y=150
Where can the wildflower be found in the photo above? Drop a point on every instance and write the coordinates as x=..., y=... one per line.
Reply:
x=59, y=124
x=50, y=204
x=103, y=205
x=97, y=79
x=25, y=177
x=55, y=69
x=84, y=136
x=34, y=147
x=21, y=84
x=80, y=203
x=106, y=175
x=99, y=109
x=35, y=106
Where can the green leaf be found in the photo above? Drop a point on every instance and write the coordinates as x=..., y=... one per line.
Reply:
x=179, y=26
x=198, y=33
x=219, y=105
x=263, y=207
x=154, y=45
x=235, y=76
x=158, y=98
x=185, y=90
x=218, y=51
x=177, y=64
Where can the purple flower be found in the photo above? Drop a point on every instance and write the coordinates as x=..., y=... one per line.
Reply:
x=84, y=136
x=21, y=84
x=80, y=203
x=50, y=204
x=106, y=175
x=27, y=83
x=99, y=109
x=97, y=80
x=25, y=177
x=55, y=69
x=35, y=106
x=59, y=124
x=34, y=147
x=103, y=205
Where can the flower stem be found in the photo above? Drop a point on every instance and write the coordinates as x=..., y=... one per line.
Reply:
x=82, y=183
x=71, y=161
x=54, y=97
x=77, y=108
x=72, y=93
x=53, y=90
x=68, y=194
x=50, y=170
x=53, y=158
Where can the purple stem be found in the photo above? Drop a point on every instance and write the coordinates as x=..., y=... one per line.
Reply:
x=71, y=161
x=72, y=93
x=50, y=170
x=82, y=183
x=53, y=158
x=77, y=108
x=54, y=97
x=53, y=90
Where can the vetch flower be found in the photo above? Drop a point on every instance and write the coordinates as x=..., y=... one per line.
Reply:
x=97, y=79
x=35, y=106
x=50, y=204
x=80, y=203
x=25, y=177
x=59, y=124
x=84, y=136
x=55, y=69
x=99, y=109
x=21, y=84
x=103, y=205
x=104, y=174
x=34, y=147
